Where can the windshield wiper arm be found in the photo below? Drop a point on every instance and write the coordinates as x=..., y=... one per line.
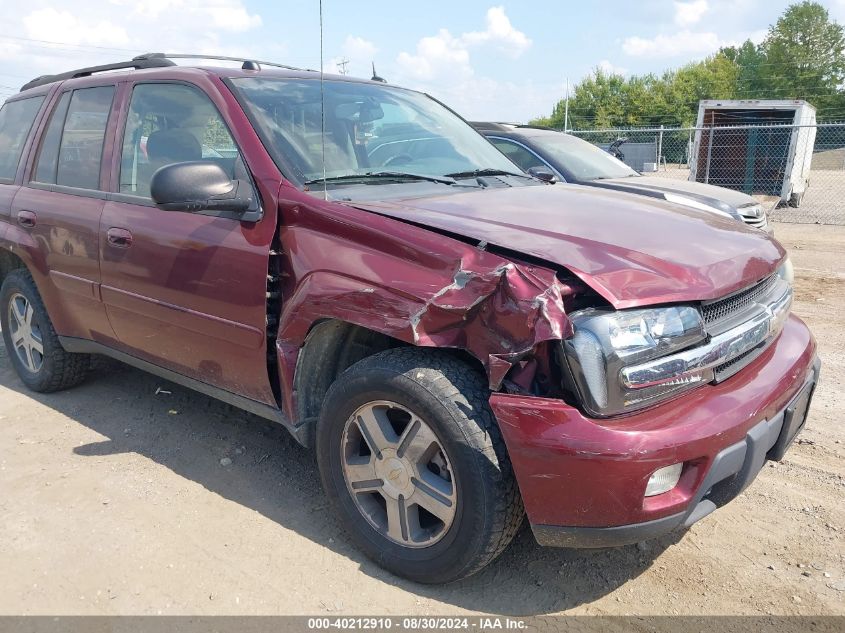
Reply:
x=486, y=172
x=385, y=175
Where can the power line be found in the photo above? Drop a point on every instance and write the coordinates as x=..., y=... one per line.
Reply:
x=82, y=46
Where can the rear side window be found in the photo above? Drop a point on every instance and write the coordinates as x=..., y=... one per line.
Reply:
x=72, y=147
x=48, y=157
x=16, y=120
x=173, y=123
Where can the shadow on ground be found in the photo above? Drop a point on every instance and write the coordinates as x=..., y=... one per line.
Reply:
x=271, y=474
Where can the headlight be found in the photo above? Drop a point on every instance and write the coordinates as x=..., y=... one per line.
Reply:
x=606, y=342
x=752, y=211
x=786, y=271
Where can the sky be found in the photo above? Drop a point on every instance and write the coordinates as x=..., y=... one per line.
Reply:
x=489, y=60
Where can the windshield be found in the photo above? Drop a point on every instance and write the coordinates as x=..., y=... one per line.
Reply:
x=583, y=160
x=369, y=128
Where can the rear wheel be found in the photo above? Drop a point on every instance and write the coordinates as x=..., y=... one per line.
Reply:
x=413, y=461
x=33, y=346
x=795, y=199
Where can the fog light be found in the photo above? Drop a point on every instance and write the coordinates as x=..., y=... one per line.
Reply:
x=663, y=480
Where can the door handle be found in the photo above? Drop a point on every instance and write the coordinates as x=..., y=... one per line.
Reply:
x=119, y=238
x=27, y=219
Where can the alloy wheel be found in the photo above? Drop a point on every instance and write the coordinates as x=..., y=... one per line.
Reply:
x=27, y=341
x=398, y=474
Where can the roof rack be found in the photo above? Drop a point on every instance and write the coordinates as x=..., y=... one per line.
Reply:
x=248, y=64
x=137, y=63
x=151, y=60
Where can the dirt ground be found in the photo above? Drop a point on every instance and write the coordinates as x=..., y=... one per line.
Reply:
x=113, y=500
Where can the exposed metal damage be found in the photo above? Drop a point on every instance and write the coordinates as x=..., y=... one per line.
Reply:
x=499, y=315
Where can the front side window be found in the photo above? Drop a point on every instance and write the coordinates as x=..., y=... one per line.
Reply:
x=172, y=123
x=368, y=128
x=16, y=119
x=517, y=154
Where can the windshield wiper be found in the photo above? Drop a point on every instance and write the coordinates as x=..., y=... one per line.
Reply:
x=486, y=172
x=381, y=175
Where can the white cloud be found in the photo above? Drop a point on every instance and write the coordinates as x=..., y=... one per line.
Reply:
x=500, y=32
x=486, y=99
x=359, y=52
x=446, y=55
x=610, y=69
x=435, y=56
x=62, y=26
x=96, y=32
x=359, y=48
x=229, y=15
x=680, y=43
x=689, y=13
x=441, y=65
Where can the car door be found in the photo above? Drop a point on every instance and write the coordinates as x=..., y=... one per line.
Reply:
x=185, y=291
x=60, y=205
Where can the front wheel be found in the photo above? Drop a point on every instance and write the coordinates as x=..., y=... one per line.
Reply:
x=413, y=461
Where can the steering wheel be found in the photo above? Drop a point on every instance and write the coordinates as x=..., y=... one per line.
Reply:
x=398, y=159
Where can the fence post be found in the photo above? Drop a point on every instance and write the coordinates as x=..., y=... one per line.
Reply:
x=659, y=145
x=709, y=154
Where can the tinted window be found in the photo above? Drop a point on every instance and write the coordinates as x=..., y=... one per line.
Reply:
x=518, y=154
x=82, y=139
x=172, y=123
x=15, y=122
x=48, y=157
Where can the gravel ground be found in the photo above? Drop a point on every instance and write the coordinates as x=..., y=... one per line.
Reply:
x=115, y=499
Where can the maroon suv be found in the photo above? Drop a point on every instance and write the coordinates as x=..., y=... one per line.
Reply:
x=460, y=343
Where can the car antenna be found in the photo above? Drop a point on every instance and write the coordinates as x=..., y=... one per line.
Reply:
x=375, y=77
x=322, y=109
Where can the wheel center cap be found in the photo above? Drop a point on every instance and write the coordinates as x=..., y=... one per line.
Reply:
x=396, y=474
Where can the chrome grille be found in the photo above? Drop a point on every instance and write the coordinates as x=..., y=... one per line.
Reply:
x=723, y=309
x=757, y=223
x=728, y=369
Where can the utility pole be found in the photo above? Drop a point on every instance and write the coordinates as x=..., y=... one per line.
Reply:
x=566, y=110
x=342, y=66
x=659, y=146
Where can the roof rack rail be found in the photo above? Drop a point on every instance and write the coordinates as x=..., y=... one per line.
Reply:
x=136, y=63
x=248, y=64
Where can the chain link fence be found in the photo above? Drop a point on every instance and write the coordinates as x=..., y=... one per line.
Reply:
x=796, y=171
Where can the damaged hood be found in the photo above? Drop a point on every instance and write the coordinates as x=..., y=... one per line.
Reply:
x=632, y=250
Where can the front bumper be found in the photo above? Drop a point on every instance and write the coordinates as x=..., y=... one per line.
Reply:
x=583, y=480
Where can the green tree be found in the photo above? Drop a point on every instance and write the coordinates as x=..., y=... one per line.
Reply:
x=805, y=57
x=610, y=100
x=750, y=60
x=802, y=57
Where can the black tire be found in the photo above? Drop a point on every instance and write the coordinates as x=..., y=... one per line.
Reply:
x=452, y=398
x=58, y=369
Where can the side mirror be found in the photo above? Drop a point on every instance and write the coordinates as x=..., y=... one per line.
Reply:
x=199, y=186
x=543, y=173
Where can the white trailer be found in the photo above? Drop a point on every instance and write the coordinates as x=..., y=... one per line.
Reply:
x=761, y=147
